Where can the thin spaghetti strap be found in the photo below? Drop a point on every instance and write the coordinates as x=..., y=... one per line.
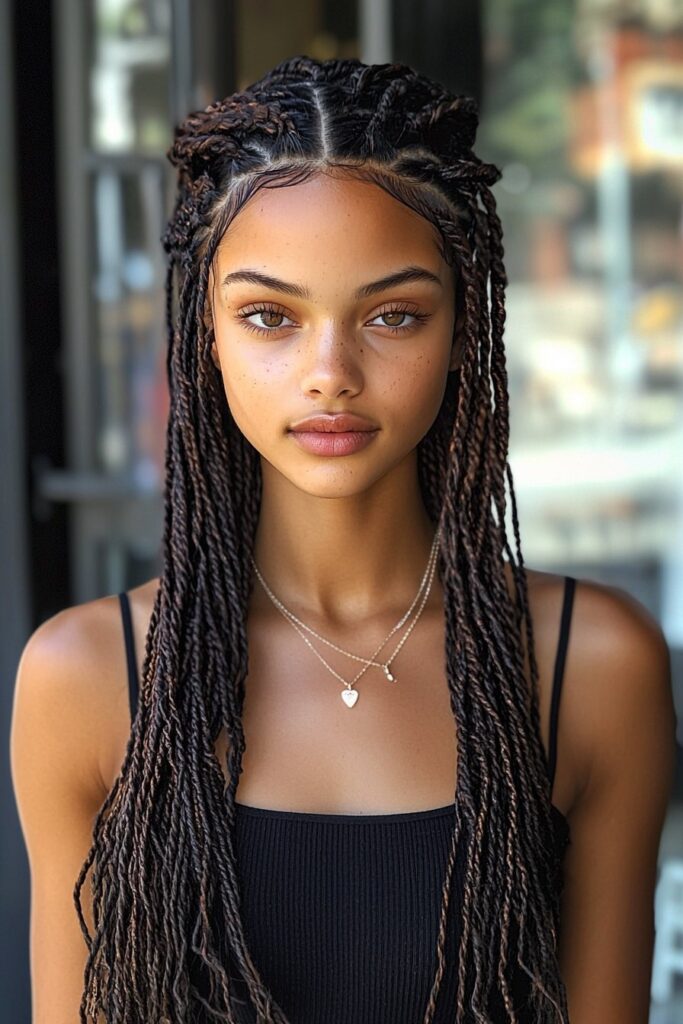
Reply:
x=130, y=653
x=567, y=605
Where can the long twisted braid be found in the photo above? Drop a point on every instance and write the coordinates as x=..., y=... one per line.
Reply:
x=165, y=886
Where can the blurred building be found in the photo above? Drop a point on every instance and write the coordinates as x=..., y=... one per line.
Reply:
x=582, y=108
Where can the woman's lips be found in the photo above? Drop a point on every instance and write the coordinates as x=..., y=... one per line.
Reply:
x=346, y=442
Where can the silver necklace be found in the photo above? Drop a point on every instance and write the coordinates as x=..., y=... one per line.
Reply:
x=349, y=695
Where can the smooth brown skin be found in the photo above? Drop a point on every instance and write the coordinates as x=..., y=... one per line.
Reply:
x=351, y=577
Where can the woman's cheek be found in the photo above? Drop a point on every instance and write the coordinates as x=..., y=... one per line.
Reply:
x=257, y=404
x=243, y=397
x=421, y=387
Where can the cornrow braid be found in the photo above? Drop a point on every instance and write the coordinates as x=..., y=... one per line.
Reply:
x=169, y=941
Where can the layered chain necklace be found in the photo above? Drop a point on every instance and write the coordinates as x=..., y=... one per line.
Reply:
x=349, y=695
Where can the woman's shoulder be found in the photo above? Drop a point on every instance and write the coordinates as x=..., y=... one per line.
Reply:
x=612, y=634
x=616, y=688
x=607, y=621
x=72, y=677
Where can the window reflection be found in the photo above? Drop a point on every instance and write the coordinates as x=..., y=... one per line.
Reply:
x=581, y=112
x=129, y=79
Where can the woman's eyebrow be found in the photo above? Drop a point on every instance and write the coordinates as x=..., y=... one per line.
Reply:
x=412, y=273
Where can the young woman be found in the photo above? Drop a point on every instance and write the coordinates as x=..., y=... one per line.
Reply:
x=347, y=793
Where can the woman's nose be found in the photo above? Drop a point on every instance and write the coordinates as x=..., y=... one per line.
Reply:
x=330, y=363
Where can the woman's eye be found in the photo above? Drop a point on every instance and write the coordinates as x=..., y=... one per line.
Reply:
x=271, y=319
x=393, y=319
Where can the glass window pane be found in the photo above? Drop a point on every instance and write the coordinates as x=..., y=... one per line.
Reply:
x=583, y=113
x=129, y=76
x=129, y=322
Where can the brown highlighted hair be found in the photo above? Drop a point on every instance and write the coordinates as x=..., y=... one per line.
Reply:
x=165, y=882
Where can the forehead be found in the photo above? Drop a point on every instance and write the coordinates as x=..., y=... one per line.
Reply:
x=330, y=220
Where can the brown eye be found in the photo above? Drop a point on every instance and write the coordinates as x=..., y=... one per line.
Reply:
x=397, y=317
x=268, y=320
x=269, y=315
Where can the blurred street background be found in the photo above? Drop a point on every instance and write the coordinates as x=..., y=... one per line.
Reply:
x=581, y=106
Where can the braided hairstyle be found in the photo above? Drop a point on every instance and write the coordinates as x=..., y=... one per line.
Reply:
x=169, y=943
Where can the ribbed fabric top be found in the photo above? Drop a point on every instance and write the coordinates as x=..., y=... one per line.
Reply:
x=341, y=911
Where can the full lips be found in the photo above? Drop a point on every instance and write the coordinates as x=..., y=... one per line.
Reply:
x=344, y=442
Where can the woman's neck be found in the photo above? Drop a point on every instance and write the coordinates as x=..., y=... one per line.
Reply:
x=343, y=559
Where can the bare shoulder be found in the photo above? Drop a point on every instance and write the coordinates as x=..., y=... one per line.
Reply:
x=619, y=678
x=72, y=677
x=615, y=642
x=617, y=727
x=616, y=678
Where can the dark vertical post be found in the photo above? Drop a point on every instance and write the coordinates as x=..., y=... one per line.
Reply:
x=442, y=39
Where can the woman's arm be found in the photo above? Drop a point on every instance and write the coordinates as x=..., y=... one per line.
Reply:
x=55, y=735
x=620, y=722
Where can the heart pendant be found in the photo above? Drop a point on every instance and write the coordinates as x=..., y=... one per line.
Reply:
x=349, y=697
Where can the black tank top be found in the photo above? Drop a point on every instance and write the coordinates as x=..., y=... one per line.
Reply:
x=341, y=911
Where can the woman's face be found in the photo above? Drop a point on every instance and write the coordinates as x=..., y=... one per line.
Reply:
x=321, y=333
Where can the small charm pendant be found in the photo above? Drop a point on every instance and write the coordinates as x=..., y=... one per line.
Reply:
x=349, y=697
x=387, y=673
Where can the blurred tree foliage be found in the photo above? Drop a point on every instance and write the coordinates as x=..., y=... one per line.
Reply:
x=532, y=69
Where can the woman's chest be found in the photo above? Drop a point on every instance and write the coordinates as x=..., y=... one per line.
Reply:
x=394, y=750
